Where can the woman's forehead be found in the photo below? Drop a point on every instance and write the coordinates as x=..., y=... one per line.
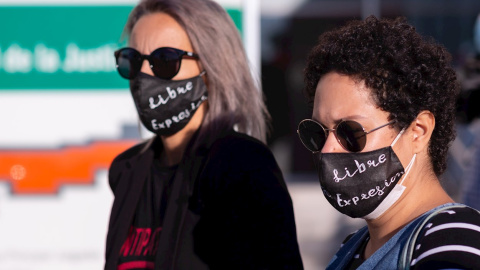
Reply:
x=157, y=30
x=340, y=97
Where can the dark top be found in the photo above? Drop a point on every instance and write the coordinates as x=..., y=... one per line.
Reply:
x=140, y=248
x=450, y=240
x=230, y=208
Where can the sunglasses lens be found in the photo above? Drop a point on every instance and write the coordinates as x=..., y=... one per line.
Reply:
x=312, y=135
x=166, y=63
x=351, y=136
x=129, y=62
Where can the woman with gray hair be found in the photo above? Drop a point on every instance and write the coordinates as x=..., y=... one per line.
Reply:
x=205, y=192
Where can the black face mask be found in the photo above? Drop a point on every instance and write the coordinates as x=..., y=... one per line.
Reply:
x=165, y=106
x=361, y=184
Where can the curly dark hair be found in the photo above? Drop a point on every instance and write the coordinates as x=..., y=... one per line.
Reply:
x=406, y=74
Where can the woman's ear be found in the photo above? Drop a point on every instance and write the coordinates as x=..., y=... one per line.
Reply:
x=422, y=128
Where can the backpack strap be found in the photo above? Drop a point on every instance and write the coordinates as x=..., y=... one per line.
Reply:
x=409, y=247
x=347, y=250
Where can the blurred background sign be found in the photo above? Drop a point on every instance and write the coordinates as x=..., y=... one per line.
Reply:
x=60, y=47
x=63, y=47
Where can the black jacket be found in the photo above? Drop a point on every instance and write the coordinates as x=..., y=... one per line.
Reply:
x=230, y=208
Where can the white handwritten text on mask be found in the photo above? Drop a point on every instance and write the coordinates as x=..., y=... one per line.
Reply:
x=360, y=168
x=172, y=94
x=377, y=191
x=177, y=118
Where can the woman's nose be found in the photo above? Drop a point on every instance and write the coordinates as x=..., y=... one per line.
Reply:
x=146, y=67
x=332, y=145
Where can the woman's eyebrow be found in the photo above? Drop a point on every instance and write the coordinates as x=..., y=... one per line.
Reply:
x=348, y=117
x=353, y=116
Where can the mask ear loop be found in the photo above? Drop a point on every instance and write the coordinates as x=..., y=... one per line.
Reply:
x=410, y=164
x=398, y=137
x=407, y=169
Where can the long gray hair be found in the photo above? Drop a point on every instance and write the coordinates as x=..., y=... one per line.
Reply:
x=234, y=99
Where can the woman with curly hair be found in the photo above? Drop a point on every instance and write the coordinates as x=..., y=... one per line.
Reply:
x=383, y=118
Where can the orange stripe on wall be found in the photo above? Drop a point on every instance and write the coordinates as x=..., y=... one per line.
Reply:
x=45, y=171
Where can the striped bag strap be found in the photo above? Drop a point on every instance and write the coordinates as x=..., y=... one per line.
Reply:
x=407, y=251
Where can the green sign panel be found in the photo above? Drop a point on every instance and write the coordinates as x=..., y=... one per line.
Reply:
x=63, y=47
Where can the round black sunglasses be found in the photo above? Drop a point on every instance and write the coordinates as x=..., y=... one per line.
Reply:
x=350, y=134
x=165, y=62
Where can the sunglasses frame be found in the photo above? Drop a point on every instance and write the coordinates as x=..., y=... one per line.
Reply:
x=150, y=58
x=327, y=130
